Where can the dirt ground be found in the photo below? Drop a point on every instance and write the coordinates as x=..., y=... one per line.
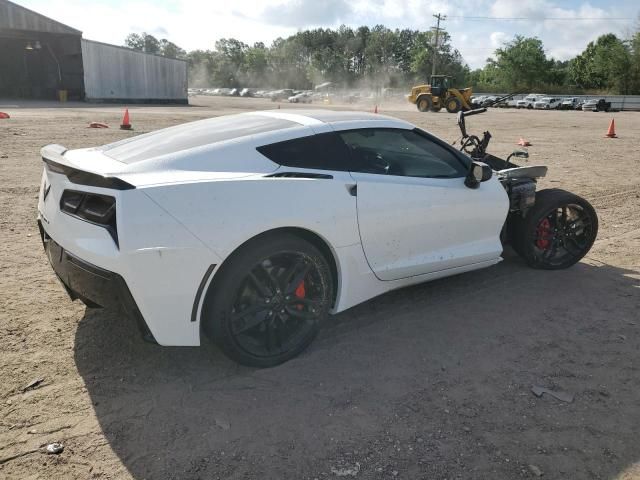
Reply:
x=429, y=382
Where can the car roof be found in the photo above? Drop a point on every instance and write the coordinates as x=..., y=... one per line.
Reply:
x=320, y=115
x=276, y=125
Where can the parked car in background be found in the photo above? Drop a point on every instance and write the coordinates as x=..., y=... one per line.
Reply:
x=488, y=101
x=528, y=101
x=247, y=92
x=351, y=98
x=506, y=103
x=547, y=103
x=477, y=100
x=283, y=94
x=596, y=105
x=303, y=97
x=569, y=103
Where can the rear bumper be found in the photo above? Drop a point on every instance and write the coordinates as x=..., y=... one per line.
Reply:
x=94, y=286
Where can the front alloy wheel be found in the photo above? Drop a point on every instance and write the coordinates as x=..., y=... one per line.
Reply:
x=558, y=231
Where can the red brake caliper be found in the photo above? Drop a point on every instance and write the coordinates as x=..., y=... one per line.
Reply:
x=544, y=234
x=300, y=293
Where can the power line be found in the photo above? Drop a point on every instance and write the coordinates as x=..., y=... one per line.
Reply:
x=626, y=19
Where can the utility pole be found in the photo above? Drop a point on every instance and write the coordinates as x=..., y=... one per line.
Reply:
x=437, y=29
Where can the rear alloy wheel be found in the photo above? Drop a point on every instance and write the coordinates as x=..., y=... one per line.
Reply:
x=268, y=303
x=558, y=231
x=424, y=103
x=453, y=105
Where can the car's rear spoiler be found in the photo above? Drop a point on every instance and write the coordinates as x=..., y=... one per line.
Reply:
x=53, y=157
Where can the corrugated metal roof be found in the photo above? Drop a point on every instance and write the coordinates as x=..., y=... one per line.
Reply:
x=17, y=17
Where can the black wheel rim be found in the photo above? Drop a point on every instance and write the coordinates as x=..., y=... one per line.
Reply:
x=562, y=235
x=278, y=305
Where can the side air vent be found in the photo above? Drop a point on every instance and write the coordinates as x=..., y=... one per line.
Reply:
x=322, y=176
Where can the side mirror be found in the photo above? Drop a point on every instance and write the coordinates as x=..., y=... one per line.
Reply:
x=478, y=172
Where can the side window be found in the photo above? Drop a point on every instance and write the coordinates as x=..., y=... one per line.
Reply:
x=406, y=153
x=324, y=151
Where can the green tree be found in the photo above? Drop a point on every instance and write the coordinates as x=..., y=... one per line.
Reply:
x=634, y=53
x=134, y=41
x=522, y=63
x=143, y=42
x=171, y=50
x=605, y=64
x=256, y=60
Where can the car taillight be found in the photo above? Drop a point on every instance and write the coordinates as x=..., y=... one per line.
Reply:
x=93, y=208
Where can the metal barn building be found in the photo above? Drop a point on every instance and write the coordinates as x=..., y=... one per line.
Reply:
x=41, y=58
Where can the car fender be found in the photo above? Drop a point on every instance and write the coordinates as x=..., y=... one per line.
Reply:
x=210, y=211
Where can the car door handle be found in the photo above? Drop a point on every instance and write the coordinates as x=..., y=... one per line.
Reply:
x=352, y=189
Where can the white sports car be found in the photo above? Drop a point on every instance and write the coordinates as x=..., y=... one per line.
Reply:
x=253, y=227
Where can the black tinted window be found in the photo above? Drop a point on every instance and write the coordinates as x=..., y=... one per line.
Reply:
x=324, y=151
x=388, y=151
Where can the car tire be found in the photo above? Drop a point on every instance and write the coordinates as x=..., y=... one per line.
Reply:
x=557, y=232
x=530, y=107
x=283, y=318
x=424, y=103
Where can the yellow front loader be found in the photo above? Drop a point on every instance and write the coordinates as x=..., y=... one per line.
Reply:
x=438, y=94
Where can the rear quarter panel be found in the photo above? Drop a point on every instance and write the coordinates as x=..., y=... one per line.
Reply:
x=225, y=214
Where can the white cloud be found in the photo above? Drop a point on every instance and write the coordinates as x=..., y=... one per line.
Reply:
x=498, y=38
x=196, y=24
x=303, y=13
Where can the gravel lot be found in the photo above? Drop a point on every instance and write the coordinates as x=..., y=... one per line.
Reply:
x=429, y=382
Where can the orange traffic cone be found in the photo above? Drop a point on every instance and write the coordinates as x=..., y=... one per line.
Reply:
x=4, y=115
x=126, y=125
x=611, y=133
x=375, y=110
x=524, y=143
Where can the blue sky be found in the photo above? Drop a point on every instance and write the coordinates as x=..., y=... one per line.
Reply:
x=199, y=23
